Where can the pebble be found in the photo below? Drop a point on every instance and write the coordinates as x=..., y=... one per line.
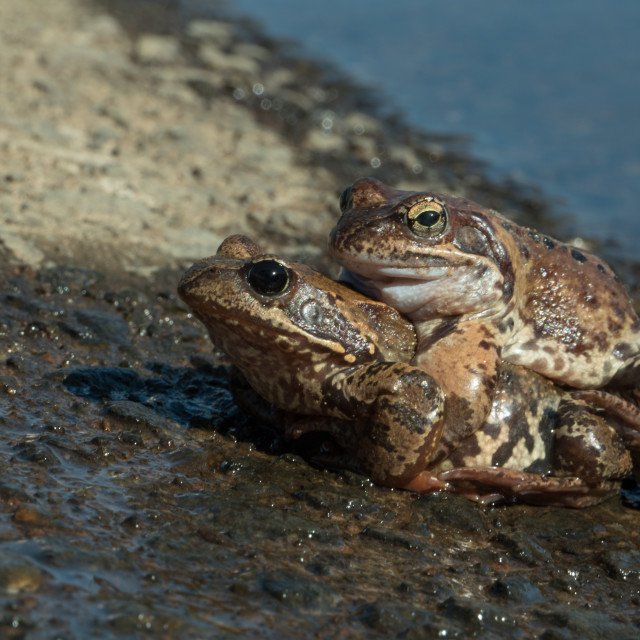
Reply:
x=155, y=49
x=19, y=578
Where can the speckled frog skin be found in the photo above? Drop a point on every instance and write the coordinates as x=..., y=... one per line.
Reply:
x=317, y=348
x=481, y=290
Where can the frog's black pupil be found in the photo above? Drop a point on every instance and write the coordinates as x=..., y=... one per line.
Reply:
x=345, y=199
x=268, y=277
x=428, y=218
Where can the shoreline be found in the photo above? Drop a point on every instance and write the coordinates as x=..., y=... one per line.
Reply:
x=139, y=150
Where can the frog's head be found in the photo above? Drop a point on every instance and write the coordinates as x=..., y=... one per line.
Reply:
x=277, y=319
x=427, y=254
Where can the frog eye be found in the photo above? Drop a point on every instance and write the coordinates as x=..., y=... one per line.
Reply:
x=345, y=199
x=268, y=278
x=427, y=218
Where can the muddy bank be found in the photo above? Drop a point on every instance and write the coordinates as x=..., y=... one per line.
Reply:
x=137, y=497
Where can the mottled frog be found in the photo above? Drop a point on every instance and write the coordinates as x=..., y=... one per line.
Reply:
x=317, y=348
x=481, y=290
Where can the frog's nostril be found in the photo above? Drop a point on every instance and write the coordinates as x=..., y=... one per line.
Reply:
x=345, y=199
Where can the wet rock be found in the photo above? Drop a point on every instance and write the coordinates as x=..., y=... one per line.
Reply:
x=65, y=279
x=392, y=617
x=519, y=545
x=436, y=588
x=24, y=363
x=556, y=634
x=13, y=495
x=102, y=382
x=622, y=564
x=130, y=620
x=452, y=511
x=103, y=326
x=126, y=300
x=31, y=516
x=135, y=414
x=299, y=591
x=191, y=463
x=480, y=617
x=133, y=523
x=400, y=538
x=336, y=499
x=516, y=588
x=15, y=626
x=131, y=438
x=37, y=453
x=274, y=524
x=556, y=523
x=8, y=385
x=591, y=625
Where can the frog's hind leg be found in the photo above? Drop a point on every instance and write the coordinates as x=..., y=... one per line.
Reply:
x=489, y=485
x=586, y=445
x=622, y=415
x=617, y=407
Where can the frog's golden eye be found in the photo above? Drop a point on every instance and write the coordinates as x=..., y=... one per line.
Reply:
x=345, y=199
x=427, y=218
x=268, y=278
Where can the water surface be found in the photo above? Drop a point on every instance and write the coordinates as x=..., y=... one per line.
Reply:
x=548, y=92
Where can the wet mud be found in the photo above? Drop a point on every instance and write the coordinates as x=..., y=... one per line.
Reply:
x=136, y=492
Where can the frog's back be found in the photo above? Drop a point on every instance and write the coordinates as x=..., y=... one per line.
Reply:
x=577, y=323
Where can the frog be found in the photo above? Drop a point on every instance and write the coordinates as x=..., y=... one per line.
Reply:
x=341, y=363
x=483, y=291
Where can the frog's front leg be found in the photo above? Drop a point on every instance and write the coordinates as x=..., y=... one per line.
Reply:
x=395, y=418
x=465, y=363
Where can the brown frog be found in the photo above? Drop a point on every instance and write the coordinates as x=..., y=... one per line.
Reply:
x=481, y=290
x=317, y=348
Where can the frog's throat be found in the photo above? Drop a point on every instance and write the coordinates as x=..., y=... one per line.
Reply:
x=456, y=292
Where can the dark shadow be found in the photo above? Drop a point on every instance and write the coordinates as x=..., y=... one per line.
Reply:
x=199, y=397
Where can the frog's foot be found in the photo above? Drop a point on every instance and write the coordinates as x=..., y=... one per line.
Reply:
x=491, y=484
x=625, y=411
x=425, y=482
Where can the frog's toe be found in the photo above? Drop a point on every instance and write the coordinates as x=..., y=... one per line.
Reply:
x=425, y=482
x=493, y=483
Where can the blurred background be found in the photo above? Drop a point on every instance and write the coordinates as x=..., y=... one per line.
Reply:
x=548, y=93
